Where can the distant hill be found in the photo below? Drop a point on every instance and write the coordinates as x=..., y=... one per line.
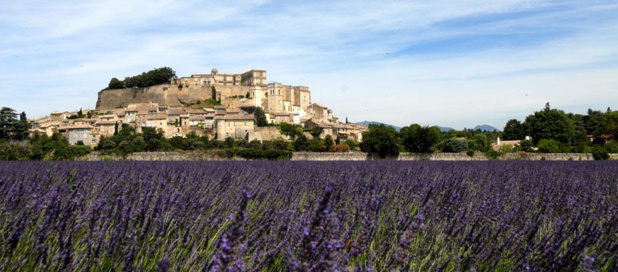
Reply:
x=486, y=128
x=445, y=129
x=367, y=123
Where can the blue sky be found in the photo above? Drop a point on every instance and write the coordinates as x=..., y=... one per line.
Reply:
x=449, y=63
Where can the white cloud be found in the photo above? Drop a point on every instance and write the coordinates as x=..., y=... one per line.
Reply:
x=349, y=53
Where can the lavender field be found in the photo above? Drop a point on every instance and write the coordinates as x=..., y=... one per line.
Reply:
x=309, y=216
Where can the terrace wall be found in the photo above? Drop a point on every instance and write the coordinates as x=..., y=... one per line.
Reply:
x=351, y=156
x=165, y=94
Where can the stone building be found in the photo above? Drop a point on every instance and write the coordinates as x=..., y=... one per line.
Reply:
x=84, y=133
x=236, y=92
x=241, y=126
x=249, y=78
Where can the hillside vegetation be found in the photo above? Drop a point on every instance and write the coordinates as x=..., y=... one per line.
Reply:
x=146, y=79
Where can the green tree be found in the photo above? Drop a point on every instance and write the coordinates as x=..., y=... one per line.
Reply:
x=22, y=127
x=15, y=151
x=381, y=140
x=178, y=142
x=593, y=122
x=125, y=132
x=550, y=124
x=255, y=144
x=301, y=143
x=260, y=117
x=153, y=145
x=513, y=130
x=420, y=139
x=229, y=142
x=138, y=144
x=454, y=145
x=150, y=133
x=316, y=132
x=479, y=142
x=354, y=145
x=526, y=145
x=146, y=79
x=292, y=131
x=328, y=143
x=317, y=145
x=107, y=144
x=549, y=146
x=115, y=83
x=600, y=153
x=8, y=124
x=610, y=124
x=281, y=144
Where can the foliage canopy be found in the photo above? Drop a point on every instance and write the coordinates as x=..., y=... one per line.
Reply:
x=146, y=79
x=381, y=140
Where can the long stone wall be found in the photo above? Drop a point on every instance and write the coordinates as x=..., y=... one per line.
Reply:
x=349, y=156
x=356, y=156
x=157, y=156
x=169, y=95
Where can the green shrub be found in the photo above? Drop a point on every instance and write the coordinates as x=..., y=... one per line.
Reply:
x=611, y=146
x=600, y=153
x=453, y=145
x=549, y=146
x=526, y=145
x=493, y=155
x=15, y=151
x=354, y=145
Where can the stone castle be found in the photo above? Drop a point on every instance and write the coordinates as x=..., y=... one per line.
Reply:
x=215, y=104
x=234, y=91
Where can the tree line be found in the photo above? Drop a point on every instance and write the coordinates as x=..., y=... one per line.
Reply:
x=385, y=142
x=549, y=131
x=554, y=131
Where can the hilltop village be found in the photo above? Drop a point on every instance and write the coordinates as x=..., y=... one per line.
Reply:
x=217, y=105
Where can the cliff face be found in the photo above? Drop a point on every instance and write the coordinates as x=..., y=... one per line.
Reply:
x=169, y=95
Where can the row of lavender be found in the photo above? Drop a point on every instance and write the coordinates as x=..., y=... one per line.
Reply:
x=309, y=216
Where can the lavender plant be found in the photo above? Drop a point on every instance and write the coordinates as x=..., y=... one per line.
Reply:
x=309, y=216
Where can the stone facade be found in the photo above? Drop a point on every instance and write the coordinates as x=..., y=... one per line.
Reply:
x=237, y=127
x=269, y=133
